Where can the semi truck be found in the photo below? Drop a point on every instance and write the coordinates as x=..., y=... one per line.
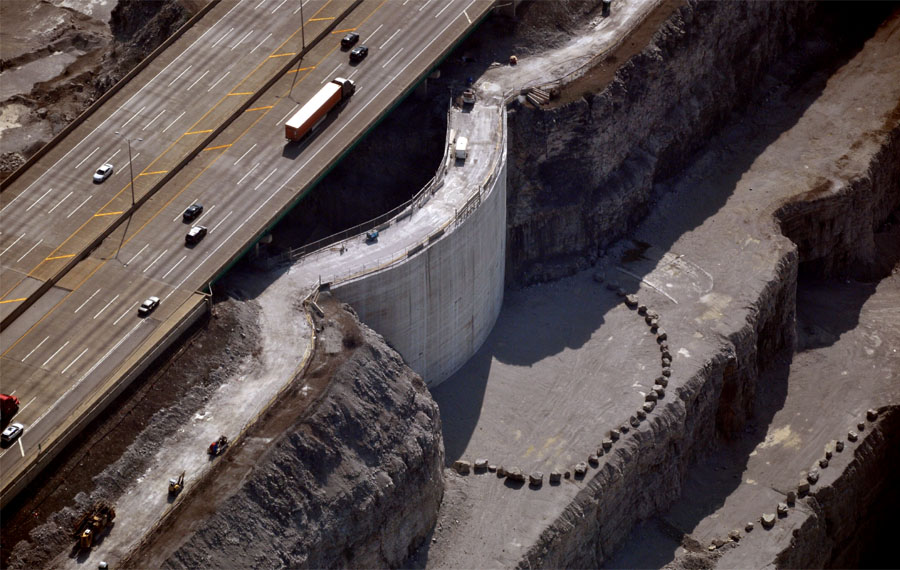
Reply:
x=9, y=405
x=316, y=109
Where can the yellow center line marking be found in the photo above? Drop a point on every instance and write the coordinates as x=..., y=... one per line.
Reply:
x=13, y=300
x=198, y=132
x=154, y=172
x=216, y=147
x=108, y=214
x=344, y=31
x=241, y=93
x=282, y=55
x=60, y=256
x=302, y=69
x=259, y=108
x=321, y=19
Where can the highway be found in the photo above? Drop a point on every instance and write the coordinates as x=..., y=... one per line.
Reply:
x=74, y=336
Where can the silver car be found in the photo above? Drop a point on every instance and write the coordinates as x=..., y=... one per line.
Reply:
x=11, y=433
x=103, y=173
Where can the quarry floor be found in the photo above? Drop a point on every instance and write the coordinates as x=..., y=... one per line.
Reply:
x=567, y=361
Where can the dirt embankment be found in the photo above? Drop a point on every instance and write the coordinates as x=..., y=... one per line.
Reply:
x=60, y=60
x=355, y=482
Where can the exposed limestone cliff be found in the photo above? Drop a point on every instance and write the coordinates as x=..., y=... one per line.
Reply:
x=356, y=483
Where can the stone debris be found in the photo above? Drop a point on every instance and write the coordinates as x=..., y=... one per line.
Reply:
x=852, y=435
x=515, y=474
x=593, y=460
x=767, y=520
x=823, y=463
x=735, y=535
x=661, y=335
x=652, y=314
x=782, y=509
x=481, y=464
x=631, y=301
x=648, y=406
x=651, y=396
x=613, y=434
x=871, y=415
x=659, y=391
x=718, y=543
x=607, y=444
x=462, y=467
x=803, y=487
x=839, y=446
x=555, y=477
x=791, y=498
x=634, y=421
x=861, y=426
x=536, y=479
x=748, y=527
x=642, y=309
x=711, y=547
x=812, y=476
x=641, y=415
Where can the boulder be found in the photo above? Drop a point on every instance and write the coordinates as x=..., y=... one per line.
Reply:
x=735, y=535
x=852, y=436
x=767, y=520
x=823, y=463
x=791, y=498
x=812, y=476
x=663, y=381
x=599, y=277
x=667, y=372
x=613, y=434
x=828, y=454
x=624, y=428
x=607, y=444
x=536, y=479
x=481, y=464
x=803, y=487
x=621, y=292
x=718, y=543
x=501, y=471
x=593, y=460
x=648, y=406
x=631, y=301
x=661, y=335
x=748, y=527
x=782, y=509
x=861, y=426
x=641, y=414
x=612, y=285
x=462, y=467
x=634, y=421
x=580, y=469
x=642, y=309
x=839, y=446
x=555, y=477
x=492, y=468
x=871, y=415
x=515, y=474
x=659, y=391
x=654, y=325
x=567, y=475
x=651, y=396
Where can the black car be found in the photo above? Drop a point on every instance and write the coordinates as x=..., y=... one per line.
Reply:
x=349, y=40
x=359, y=53
x=192, y=212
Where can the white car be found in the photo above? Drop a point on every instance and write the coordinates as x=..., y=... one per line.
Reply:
x=147, y=306
x=12, y=433
x=103, y=173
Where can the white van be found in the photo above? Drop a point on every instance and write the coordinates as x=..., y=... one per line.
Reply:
x=461, y=148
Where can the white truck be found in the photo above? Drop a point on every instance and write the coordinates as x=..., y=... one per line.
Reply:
x=462, y=148
x=316, y=109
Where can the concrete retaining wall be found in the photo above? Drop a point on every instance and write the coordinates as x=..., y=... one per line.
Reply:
x=438, y=307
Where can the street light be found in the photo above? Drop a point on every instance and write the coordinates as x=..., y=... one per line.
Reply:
x=302, y=47
x=131, y=172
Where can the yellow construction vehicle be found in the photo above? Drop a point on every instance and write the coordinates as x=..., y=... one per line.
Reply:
x=176, y=485
x=93, y=523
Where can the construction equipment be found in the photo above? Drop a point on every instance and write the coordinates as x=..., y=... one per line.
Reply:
x=217, y=447
x=176, y=485
x=93, y=523
x=468, y=97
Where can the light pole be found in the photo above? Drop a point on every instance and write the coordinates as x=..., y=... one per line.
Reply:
x=131, y=172
x=302, y=47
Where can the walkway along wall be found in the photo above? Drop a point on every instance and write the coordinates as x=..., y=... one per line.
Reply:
x=438, y=307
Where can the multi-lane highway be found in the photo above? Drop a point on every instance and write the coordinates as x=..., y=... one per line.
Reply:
x=75, y=335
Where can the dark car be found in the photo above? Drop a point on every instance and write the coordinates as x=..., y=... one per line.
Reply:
x=192, y=212
x=195, y=234
x=147, y=306
x=11, y=433
x=349, y=39
x=359, y=53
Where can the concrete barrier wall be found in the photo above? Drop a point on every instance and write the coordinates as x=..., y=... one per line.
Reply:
x=438, y=307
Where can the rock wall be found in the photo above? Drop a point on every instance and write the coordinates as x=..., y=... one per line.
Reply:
x=357, y=483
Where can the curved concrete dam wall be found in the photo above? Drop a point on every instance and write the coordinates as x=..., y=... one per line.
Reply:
x=438, y=306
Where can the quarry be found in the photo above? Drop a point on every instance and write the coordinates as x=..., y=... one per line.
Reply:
x=681, y=289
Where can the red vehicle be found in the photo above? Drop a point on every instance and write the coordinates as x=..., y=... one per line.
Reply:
x=9, y=405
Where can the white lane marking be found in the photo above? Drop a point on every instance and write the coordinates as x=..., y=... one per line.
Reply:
x=137, y=254
x=197, y=80
x=260, y=4
x=128, y=310
x=467, y=16
x=29, y=251
x=248, y=174
x=26, y=405
x=302, y=5
x=330, y=75
x=77, y=358
x=39, y=199
x=174, y=266
x=284, y=118
x=154, y=120
x=444, y=8
x=106, y=306
x=387, y=41
x=203, y=215
x=261, y=42
x=175, y=121
x=50, y=211
x=86, y=301
x=186, y=69
x=392, y=58
x=21, y=447
x=35, y=348
x=152, y=263
x=277, y=7
x=243, y=155
x=133, y=117
x=240, y=41
x=220, y=222
x=52, y=356
x=263, y=181
x=225, y=35
x=113, y=156
x=213, y=86
x=352, y=74
x=424, y=5
x=78, y=208
x=133, y=160
x=372, y=35
x=87, y=157
x=86, y=374
x=405, y=2
x=12, y=244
